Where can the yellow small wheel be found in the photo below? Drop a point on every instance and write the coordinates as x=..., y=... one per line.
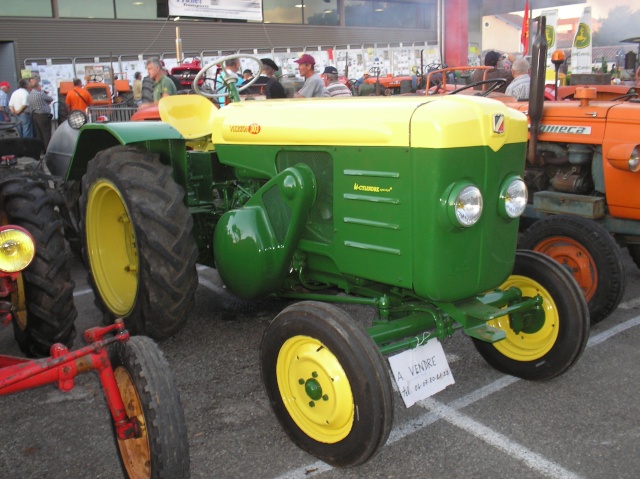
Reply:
x=149, y=394
x=327, y=383
x=548, y=340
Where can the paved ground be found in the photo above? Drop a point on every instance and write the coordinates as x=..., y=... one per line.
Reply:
x=582, y=424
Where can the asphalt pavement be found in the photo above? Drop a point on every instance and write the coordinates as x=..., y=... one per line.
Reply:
x=584, y=423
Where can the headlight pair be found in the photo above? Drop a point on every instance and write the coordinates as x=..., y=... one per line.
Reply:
x=464, y=204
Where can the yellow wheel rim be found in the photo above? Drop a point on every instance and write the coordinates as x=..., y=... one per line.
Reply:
x=111, y=245
x=315, y=389
x=523, y=346
x=136, y=452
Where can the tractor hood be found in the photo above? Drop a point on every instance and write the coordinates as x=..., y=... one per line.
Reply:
x=573, y=122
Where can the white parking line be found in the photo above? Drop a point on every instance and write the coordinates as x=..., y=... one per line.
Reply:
x=450, y=414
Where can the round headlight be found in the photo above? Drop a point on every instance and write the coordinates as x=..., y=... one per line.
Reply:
x=76, y=119
x=468, y=206
x=515, y=198
x=17, y=249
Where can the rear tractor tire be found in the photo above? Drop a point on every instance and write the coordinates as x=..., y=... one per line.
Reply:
x=588, y=252
x=137, y=241
x=44, y=308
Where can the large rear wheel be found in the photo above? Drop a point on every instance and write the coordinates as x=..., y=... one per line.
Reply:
x=588, y=252
x=44, y=310
x=137, y=241
x=327, y=382
x=545, y=342
x=149, y=393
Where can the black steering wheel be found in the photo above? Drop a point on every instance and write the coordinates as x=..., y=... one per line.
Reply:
x=626, y=96
x=495, y=84
x=220, y=61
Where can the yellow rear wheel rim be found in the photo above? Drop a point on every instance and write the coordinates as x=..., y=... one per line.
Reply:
x=315, y=389
x=112, y=250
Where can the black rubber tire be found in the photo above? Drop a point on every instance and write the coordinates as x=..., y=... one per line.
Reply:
x=48, y=288
x=139, y=364
x=607, y=265
x=161, y=225
x=566, y=300
x=348, y=345
x=147, y=90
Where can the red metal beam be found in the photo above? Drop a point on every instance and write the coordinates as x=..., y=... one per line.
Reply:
x=456, y=32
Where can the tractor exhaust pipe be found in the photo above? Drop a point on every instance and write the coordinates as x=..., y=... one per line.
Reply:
x=536, y=93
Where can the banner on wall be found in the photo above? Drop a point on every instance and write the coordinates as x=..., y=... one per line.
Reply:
x=551, y=32
x=581, y=49
x=234, y=9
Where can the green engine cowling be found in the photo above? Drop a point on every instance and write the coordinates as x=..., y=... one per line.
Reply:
x=253, y=245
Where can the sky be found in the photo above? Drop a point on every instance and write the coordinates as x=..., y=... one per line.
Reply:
x=599, y=8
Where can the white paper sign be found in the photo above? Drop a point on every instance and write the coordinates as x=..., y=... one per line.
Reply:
x=421, y=372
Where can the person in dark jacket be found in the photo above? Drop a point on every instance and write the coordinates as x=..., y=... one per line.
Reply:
x=491, y=59
x=267, y=84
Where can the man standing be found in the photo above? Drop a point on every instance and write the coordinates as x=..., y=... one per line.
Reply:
x=77, y=98
x=231, y=67
x=163, y=85
x=491, y=59
x=333, y=87
x=19, y=107
x=519, y=87
x=137, y=88
x=39, y=102
x=4, y=101
x=267, y=84
x=313, y=84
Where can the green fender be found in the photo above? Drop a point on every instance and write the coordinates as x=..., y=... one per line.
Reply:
x=253, y=246
x=154, y=136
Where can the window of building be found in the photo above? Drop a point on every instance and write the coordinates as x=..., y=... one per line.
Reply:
x=85, y=9
x=394, y=14
x=282, y=11
x=35, y=8
x=137, y=9
x=323, y=12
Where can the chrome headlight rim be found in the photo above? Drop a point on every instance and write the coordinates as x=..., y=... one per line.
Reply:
x=634, y=160
x=464, y=205
x=513, y=198
x=76, y=119
x=17, y=249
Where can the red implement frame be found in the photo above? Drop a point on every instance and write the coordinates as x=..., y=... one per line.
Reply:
x=19, y=374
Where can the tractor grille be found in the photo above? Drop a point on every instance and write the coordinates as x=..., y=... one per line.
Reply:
x=320, y=224
x=278, y=212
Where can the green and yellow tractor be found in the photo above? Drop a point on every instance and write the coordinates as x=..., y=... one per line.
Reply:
x=408, y=205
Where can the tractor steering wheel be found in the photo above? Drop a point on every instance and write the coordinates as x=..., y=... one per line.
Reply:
x=220, y=61
x=626, y=96
x=495, y=84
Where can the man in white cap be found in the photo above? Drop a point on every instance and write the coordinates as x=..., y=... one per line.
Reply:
x=313, y=84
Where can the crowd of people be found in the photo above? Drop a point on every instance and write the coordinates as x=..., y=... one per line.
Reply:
x=30, y=107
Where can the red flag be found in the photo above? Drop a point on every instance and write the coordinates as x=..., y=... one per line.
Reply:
x=524, y=35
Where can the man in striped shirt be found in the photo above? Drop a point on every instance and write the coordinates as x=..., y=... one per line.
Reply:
x=332, y=85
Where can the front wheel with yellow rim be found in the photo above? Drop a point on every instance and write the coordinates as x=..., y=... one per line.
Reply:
x=149, y=394
x=327, y=383
x=137, y=241
x=547, y=340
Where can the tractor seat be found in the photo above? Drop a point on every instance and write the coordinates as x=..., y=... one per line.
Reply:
x=191, y=115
